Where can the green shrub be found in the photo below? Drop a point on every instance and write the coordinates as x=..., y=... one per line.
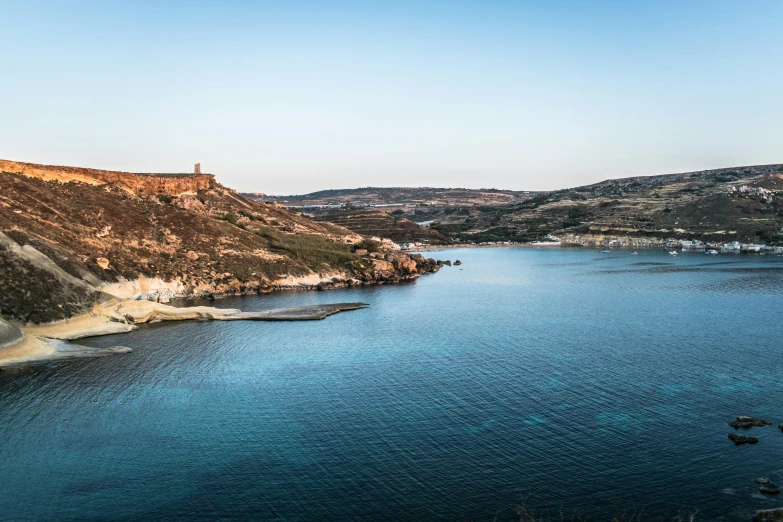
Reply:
x=369, y=245
x=312, y=250
x=31, y=295
x=233, y=219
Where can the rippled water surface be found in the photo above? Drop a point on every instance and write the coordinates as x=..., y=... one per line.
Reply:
x=602, y=382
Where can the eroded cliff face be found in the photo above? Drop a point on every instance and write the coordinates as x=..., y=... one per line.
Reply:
x=394, y=267
x=136, y=183
x=68, y=239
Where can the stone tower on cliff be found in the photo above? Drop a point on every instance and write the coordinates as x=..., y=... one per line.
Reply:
x=197, y=170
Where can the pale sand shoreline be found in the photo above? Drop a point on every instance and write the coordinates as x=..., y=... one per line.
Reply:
x=49, y=342
x=32, y=350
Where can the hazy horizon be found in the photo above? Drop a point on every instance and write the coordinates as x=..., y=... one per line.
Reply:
x=498, y=188
x=296, y=98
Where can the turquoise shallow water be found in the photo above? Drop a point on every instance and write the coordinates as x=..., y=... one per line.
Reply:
x=602, y=382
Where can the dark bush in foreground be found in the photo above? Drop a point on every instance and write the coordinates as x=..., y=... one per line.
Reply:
x=32, y=295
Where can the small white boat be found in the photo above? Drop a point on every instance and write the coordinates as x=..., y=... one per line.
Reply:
x=605, y=251
x=634, y=253
x=673, y=253
x=711, y=252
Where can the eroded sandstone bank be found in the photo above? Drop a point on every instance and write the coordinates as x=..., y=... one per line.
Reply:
x=19, y=348
x=390, y=268
x=49, y=342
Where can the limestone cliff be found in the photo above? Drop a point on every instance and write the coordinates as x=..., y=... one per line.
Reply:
x=69, y=236
x=136, y=183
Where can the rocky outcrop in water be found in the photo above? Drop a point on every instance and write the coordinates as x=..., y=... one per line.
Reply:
x=767, y=487
x=742, y=439
x=769, y=515
x=743, y=421
x=425, y=265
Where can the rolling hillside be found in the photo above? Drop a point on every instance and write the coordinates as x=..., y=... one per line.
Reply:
x=740, y=203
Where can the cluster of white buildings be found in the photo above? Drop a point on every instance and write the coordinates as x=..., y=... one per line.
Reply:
x=683, y=244
x=418, y=245
x=731, y=247
x=754, y=191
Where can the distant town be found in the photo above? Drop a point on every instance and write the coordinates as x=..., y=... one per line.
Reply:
x=686, y=245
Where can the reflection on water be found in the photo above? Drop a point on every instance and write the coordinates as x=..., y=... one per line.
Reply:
x=599, y=382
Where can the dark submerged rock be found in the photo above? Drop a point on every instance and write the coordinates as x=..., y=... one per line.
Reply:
x=742, y=439
x=770, y=489
x=769, y=515
x=743, y=421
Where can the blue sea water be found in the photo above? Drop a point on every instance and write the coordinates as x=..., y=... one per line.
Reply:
x=568, y=379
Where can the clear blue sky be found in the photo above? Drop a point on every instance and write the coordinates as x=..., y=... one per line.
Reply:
x=291, y=97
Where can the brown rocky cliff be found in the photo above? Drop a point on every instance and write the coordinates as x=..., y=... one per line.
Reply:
x=209, y=244
x=135, y=183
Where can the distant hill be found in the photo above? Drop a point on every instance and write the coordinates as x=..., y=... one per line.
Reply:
x=743, y=203
x=377, y=223
x=373, y=196
x=392, y=212
x=738, y=203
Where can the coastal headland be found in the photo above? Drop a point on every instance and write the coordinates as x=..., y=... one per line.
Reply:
x=92, y=252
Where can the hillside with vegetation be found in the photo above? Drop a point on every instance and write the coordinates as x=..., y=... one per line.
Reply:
x=377, y=223
x=68, y=238
x=735, y=204
x=392, y=212
x=397, y=196
x=722, y=205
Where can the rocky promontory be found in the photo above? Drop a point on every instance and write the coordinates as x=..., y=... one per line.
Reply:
x=74, y=242
x=48, y=342
x=71, y=237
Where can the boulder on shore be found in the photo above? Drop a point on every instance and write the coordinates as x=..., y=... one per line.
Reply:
x=742, y=439
x=743, y=421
